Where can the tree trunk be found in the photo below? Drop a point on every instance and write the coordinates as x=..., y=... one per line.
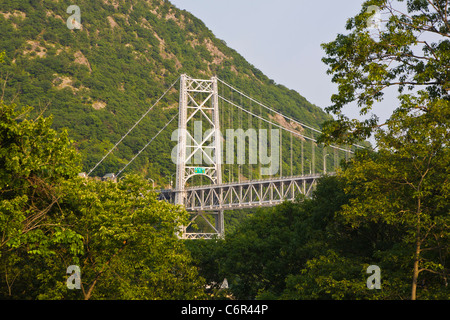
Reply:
x=415, y=270
x=416, y=254
x=91, y=288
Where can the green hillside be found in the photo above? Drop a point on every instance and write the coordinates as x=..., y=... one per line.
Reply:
x=97, y=81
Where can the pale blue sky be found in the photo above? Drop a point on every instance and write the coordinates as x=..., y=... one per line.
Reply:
x=282, y=38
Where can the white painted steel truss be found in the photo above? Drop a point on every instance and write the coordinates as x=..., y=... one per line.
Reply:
x=199, y=100
x=249, y=194
x=202, y=201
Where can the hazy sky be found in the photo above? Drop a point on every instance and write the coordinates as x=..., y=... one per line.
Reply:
x=282, y=38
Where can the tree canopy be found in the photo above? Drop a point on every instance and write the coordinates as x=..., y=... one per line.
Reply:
x=120, y=236
x=410, y=51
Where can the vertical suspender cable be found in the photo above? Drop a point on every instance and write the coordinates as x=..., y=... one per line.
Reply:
x=232, y=127
x=259, y=131
x=313, y=156
x=303, y=171
x=281, y=153
x=291, y=155
x=240, y=127
x=250, y=127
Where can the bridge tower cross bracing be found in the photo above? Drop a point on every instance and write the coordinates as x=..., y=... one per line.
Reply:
x=199, y=99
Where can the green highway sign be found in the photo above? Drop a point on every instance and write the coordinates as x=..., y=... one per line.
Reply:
x=200, y=170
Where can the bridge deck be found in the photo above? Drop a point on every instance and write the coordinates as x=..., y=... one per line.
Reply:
x=244, y=194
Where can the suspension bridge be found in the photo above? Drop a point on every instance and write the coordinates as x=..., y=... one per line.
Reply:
x=251, y=154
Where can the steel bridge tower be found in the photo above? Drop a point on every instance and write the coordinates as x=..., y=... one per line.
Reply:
x=199, y=150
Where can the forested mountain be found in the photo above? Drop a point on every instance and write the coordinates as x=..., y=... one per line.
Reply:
x=98, y=80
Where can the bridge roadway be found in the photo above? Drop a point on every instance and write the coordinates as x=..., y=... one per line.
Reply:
x=244, y=194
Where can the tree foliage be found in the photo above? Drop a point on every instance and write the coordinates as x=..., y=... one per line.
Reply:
x=321, y=248
x=35, y=161
x=406, y=185
x=406, y=182
x=410, y=51
x=122, y=238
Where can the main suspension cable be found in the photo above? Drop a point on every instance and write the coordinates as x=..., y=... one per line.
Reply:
x=131, y=129
x=268, y=108
x=167, y=124
x=274, y=111
x=279, y=126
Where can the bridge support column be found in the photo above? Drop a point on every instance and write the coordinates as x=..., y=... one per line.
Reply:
x=220, y=224
x=199, y=149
